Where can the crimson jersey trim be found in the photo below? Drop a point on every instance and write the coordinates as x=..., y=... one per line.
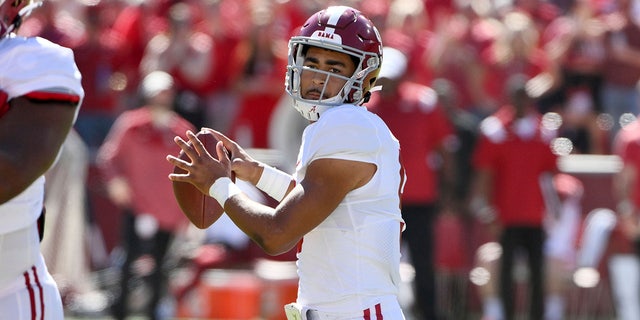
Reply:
x=53, y=96
x=32, y=293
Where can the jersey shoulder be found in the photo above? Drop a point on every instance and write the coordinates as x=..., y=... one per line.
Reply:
x=347, y=130
x=22, y=53
x=350, y=121
x=33, y=64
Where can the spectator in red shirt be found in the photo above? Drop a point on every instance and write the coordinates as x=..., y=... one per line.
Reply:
x=426, y=136
x=94, y=55
x=575, y=42
x=621, y=71
x=512, y=156
x=262, y=59
x=132, y=160
x=134, y=26
x=560, y=252
x=189, y=56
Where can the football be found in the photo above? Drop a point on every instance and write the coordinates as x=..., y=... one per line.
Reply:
x=202, y=210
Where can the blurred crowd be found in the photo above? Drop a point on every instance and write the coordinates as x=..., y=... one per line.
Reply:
x=227, y=59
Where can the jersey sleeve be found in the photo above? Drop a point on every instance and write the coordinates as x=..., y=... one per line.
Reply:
x=38, y=68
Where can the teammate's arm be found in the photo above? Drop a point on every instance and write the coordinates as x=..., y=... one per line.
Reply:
x=31, y=134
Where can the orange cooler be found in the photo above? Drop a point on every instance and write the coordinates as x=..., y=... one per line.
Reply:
x=223, y=294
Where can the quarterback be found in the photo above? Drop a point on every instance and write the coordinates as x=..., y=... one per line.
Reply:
x=341, y=208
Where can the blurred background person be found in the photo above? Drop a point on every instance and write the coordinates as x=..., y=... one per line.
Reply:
x=513, y=157
x=414, y=116
x=575, y=42
x=514, y=50
x=135, y=23
x=559, y=250
x=621, y=70
x=95, y=50
x=261, y=59
x=132, y=162
x=188, y=54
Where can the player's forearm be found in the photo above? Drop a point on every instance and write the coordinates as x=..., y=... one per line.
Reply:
x=273, y=230
x=261, y=224
x=31, y=137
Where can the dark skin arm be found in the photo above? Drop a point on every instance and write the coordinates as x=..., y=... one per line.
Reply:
x=276, y=230
x=31, y=134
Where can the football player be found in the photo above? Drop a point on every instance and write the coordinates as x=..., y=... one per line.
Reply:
x=342, y=206
x=40, y=93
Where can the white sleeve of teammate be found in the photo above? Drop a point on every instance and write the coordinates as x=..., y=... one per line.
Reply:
x=36, y=64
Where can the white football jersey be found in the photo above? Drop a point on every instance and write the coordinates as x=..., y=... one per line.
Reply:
x=28, y=65
x=351, y=260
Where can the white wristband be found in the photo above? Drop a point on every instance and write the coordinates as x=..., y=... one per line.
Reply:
x=223, y=189
x=274, y=182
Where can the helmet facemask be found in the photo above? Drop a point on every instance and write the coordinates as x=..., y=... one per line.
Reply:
x=12, y=15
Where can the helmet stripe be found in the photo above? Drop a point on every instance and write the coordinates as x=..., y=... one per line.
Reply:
x=334, y=14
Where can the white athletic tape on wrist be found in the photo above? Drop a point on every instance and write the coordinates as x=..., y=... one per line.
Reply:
x=223, y=189
x=274, y=182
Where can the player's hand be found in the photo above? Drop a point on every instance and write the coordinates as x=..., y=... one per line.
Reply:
x=243, y=165
x=204, y=169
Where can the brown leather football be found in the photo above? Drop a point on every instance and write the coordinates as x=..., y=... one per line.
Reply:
x=202, y=210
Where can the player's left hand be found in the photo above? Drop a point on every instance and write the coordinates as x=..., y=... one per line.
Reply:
x=243, y=165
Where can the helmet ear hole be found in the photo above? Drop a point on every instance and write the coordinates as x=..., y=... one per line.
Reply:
x=367, y=96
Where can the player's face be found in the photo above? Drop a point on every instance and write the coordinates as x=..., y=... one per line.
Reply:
x=312, y=83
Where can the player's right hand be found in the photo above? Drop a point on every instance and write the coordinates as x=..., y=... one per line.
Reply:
x=242, y=164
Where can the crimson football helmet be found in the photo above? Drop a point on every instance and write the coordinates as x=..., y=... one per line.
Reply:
x=342, y=29
x=12, y=12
